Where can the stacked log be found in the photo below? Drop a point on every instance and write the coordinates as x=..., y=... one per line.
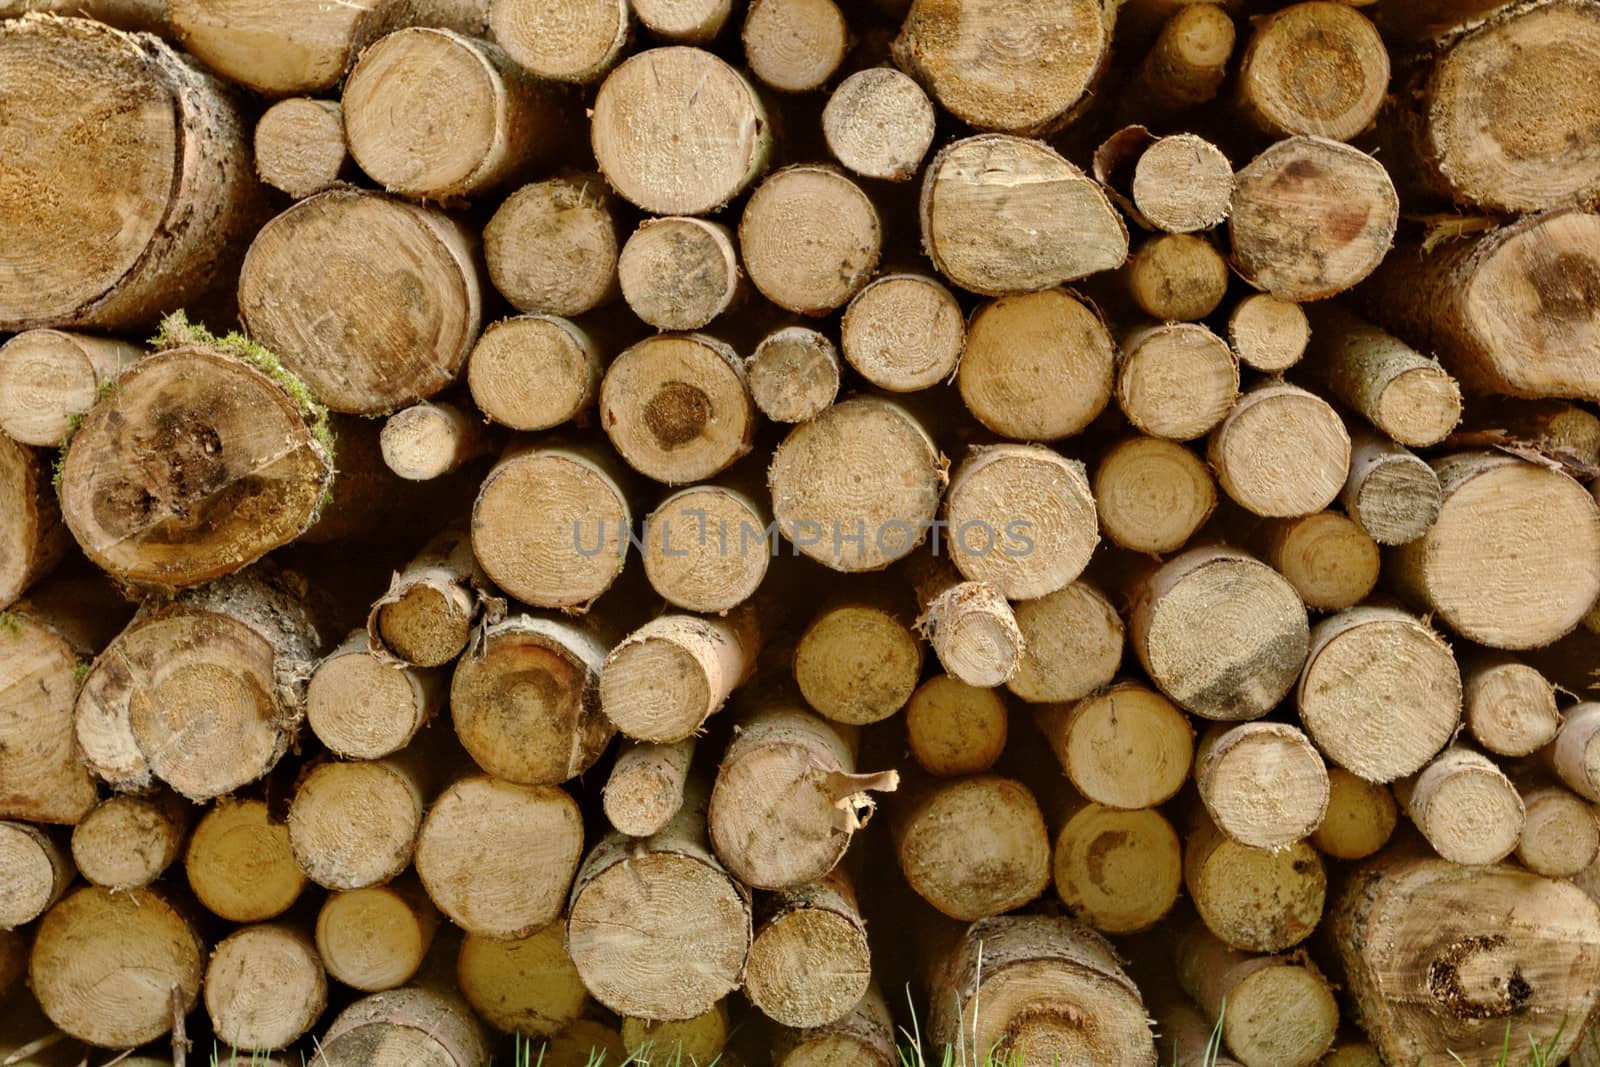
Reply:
x=1059, y=532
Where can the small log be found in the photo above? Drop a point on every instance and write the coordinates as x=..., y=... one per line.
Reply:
x=1465, y=806
x=809, y=236
x=1534, y=341
x=1189, y=60
x=677, y=407
x=1054, y=53
x=1033, y=514
x=1311, y=218
x=1268, y=333
x=1262, y=783
x=240, y=865
x=1281, y=452
x=176, y=166
x=37, y=870
x=127, y=842
x=197, y=464
x=1380, y=694
x=526, y=985
x=1003, y=215
x=362, y=707
x=1037, y=367
x=432, y=114
x=1127, y=747
x=685, y=21
x=879, y=124
x=1117, y=872
x=1509, y=707
x=352, y=825
x=1176, y=380
x=677, y=131
x=1331, y=562
x=1507, y=953
x=498, y=858
x=903, y=332
x=1030, y=987
x=427, y=441
x=1317, y=68
x=1219, y=632
x=527, y=709
x=115, y=969
x=265, y=987
x=425, y=617
x=551, y=524
x=407, y=1025
x=302, y=46
x=697, y=1040
x=857, y=488
x=1560, y=832
x=636, y=901
x=969, y=625
x=1390, y=493
x=858, y=660
x=206, y=692
x=954, y=728
x=552, y=246
x=809, y=961
x=785, y=759
x=1180, y=184
x=1152, y=495
x=1400, y=391
x=1575, y=754
x=1177, y=277
x=862, y=1038
x=533, y=372
x=1072, y=645
x=49, y=379
x=376, y=938
x=645, y=787
x=576, y=41
x=1513, y=561
x=299, y=146
x=1253, y=899
x=680, y=273
x=708, y=547
x=972, y=847
x=583, y=1039
x=794, y=46
x=1275, y=1011
x=373, y=302
x=1184, y=1036
x=794, y=374
x=1361, y=817
x=664, y=680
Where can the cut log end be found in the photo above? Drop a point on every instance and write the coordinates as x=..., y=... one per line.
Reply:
x=1268, y=333
x=1072, y=645
x=575, y=42
x=1152, y=495
x=1263, y=784
x=1183, y=183
x=1510, y=707
x=810, y=237
x=707, y=548
x=858, y=663
x=376, y=938
x=1560, y=834
x=1361, y=817
x=1118, y=872
x=794, y=374
x=264, y=987
x=127, y=842
x=974, y=847
x=955, y=728
x=1281, y=452
x=677, y=408
x=50, y=378
x=37, y=870
x=1317, y=68
x=903, y=332
x=1127, y=748
x=363, y=708
x=525, y=985
x=667, y=677
x=1177, y=277
x=679, y=273
x=240, y=865
x=794, y=46
x=1467, y=808
x=533, y=372
x=879, y=124
x=687, y=21
x=1176, y=381
x=1331, y=562
x=299, y=146
x=552, y=246
x=353, y=825
x=1254, y=899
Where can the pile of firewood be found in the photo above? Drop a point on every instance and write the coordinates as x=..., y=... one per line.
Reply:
x=497, y=497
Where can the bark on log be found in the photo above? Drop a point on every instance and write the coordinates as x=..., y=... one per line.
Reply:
x=552, y=246
x=197, y=464
x=635, y=903
x=1513, y=561
x=49, y=379
x=1037, y=367
x=153, y=206
x=879, y=124
x=972, y=847
x=1152, y=494
x=127, y=842
x=498, y=858
x=372, y=301
x=533, y=372
x=206, y=692
x=1127, y=747
x=1400, y=391
x=1052, y=55
x=1311, y=218
x=794, y=46
x=527, y=709
x=788, y=762
x=240, y=865
x=376, y=938
x=1046, y=991
x=265, y=987
x=1219, y=632
x=1189, y=60
x=1001, y=215
x=527, y=985
x=299, y=146
x=1438, y=957
x=1072, y=645
x=810, y=963
x=954, y=728
x=113, y=969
